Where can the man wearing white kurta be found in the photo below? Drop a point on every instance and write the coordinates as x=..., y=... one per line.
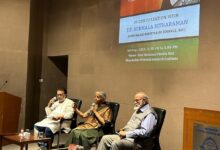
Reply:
x=58, y=107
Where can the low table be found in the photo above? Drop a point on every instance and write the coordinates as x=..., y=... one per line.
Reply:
x=23, y=142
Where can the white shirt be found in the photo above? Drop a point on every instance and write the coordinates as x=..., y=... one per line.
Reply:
x=64, y=108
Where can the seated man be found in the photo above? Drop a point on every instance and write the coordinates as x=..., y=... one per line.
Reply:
x=141, y=124
x=87, y=133
x=58, y=107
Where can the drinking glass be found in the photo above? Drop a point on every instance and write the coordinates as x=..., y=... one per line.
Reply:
x=40, y=135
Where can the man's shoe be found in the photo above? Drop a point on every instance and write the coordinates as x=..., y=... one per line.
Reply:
x=42, y=148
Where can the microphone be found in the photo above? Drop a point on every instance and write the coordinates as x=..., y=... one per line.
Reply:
x=54, y=99
x=90, y=110
x=93, y=104
x=3, y=84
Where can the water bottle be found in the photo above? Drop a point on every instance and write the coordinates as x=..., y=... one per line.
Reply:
x=79, y=147
x=21, y=134
x=27, y=134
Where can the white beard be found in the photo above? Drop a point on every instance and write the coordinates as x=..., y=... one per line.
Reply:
x=136, y=107
x=173, y=2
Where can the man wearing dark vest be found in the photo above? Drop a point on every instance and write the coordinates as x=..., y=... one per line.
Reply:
x=141, y=124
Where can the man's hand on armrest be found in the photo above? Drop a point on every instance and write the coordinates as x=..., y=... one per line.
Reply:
x=122, y=134
x=58, y=117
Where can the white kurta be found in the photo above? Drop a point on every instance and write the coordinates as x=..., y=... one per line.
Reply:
x=57, y=108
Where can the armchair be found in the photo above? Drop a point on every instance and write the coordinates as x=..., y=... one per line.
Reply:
x=152, y=142
x=78, y=103
x=109, y=127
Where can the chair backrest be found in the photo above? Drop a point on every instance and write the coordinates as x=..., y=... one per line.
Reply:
x=152, y=142
x=115, y=108
x=161, y=115
x=78, y=103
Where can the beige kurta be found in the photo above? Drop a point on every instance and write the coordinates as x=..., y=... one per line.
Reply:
x=92, y=122
x=57, y=108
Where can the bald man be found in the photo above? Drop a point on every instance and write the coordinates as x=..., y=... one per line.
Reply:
x=141, y=124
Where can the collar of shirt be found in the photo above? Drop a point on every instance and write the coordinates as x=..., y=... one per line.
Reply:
x=62, y=100
x=145, y=107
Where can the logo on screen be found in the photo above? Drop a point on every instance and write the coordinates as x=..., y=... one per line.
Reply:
x=209, y=144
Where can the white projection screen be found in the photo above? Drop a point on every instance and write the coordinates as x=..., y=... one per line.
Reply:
x=159, y=33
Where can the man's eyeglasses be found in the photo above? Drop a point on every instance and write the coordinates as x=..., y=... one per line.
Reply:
x=136, y=100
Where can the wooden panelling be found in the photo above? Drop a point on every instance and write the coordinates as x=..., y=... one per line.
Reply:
x=191, y=116
x=9, y=112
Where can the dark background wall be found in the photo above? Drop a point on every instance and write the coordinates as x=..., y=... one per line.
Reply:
x=37, y=8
